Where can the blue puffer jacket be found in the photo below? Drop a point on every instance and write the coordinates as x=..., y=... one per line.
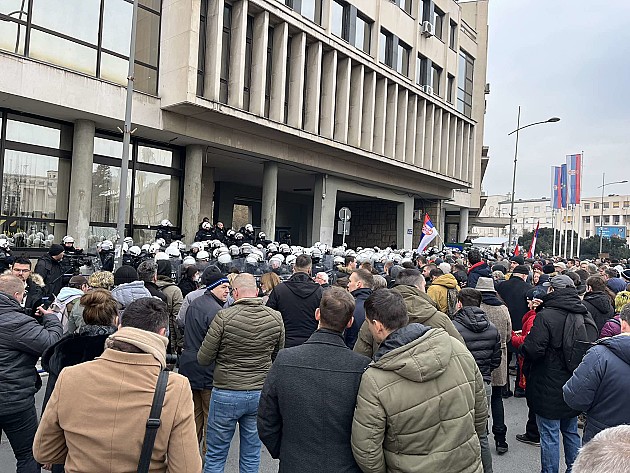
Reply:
x=600, y=385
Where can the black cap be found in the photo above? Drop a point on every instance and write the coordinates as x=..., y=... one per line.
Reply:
x=56, y=249
x=521, y=269
x=518, y=259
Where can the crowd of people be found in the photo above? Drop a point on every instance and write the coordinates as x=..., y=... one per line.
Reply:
x=334, y=359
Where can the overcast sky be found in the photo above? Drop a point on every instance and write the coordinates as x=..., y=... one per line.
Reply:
x=564, y=58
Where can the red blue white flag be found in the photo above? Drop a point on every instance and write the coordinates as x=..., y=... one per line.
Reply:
x=429, y=232
x=556, y=188
x=574, y=178
x=532, y=248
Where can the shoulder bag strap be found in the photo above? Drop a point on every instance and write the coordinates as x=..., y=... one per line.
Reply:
x=153, y=423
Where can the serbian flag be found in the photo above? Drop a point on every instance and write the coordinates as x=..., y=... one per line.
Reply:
x=429, y=232
x=532, y=248
x=556, y=188
x=563, y=186
x=517, y=251
x=574, y=178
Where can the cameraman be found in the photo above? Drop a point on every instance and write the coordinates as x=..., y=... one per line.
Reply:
x=6, y=258
x=49, y=267
x=72, y=261
x=22, y=342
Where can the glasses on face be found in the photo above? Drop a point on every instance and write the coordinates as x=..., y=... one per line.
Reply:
x=21, y=271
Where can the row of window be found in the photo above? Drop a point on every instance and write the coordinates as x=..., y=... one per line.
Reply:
x=615, y=205
x=36, y=161
x=95, y=41
x=608, y=219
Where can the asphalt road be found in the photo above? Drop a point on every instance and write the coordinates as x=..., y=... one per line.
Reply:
x=520, y=458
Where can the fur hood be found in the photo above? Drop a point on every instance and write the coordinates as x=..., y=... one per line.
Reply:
x=37, y=279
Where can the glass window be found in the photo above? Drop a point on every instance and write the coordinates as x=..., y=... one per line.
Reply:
x=363, y=34
x=107, y=147
x=312, y=9
x=421, y=70
x=626, y=203
x=596, y=219
x=438, y=22
x=386, y=48
x=452, y=41
x=249, y=38
x=465, y=83
x=117, y=16
x=12, y=37
x=115, y=69
x=84, y=21
x=29, y=185
x=436, y=77
x=596, y=205
x=337, y=18
x=98, y=234
x=156, y=197
x=616, y=205
x=606, y=205
x=587, y=219
x=157, y=156
x=615, y=219
x=153, y=4
x=537, y=209
x=225, y=53
x=587, y=206
x=405, y=5
x=145, y=79
x=449, y=88
x=201, y=57
x=105, y=193
x=27, y=233
x=402, y=58
x=33, y=133
x=148, y=33
x=525, y=210
x=64, y=53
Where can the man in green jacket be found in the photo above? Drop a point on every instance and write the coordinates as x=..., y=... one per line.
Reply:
x=420, y=307
x=243, y=340
x=421, y=404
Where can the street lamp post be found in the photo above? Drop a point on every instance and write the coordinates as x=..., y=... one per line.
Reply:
x=601, y=209
x=518, y=128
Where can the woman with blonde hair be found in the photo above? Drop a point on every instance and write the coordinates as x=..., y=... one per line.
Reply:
x=267, y=282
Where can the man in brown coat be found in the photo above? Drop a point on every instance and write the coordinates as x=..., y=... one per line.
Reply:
x=96, y=417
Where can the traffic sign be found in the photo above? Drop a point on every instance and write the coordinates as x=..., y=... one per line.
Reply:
x=344, y=213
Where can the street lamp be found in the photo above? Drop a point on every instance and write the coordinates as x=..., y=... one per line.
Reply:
x=518, y=128
x=601, y=209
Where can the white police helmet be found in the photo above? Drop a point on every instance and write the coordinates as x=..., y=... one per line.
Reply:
x=134, y=250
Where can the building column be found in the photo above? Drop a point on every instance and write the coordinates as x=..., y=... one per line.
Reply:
x=80, y=204
x=324, y=204
x=214, y=45
x=259, y=64
x=269, y=199
x=404, y=224
x=237, y=53
x=192, y=191
x=463, y=224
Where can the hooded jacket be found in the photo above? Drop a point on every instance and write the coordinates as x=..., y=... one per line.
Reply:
x=115, y=392
x=35, y=290
x=544, y=365
x=52, y=272
x=352, y=333
x=126, y=293
x=476, y=271
x=297, y=299
x=438, y=290
x=420, y=309
x=499, y=316
x=600, y=385
x=600, y=307
x=421, y=406
x=22, y=342
x=481, y=337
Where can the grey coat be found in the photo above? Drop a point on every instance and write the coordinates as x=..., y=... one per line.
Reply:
x=500, y=317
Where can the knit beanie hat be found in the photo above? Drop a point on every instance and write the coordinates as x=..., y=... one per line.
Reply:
x=124, y=275
x=164, y=268
x=212, y=277
x=56, y=249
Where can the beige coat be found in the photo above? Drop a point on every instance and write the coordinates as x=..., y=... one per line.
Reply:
x=95, y=419
x=500, y=317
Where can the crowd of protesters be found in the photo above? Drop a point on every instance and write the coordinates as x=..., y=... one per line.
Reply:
x=387, y=362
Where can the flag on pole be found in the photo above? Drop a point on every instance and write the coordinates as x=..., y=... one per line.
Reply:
x=563, y=185
x=428, y=233
x=574, y=178
x=532, y=248
x=517, y=251
x=556, y=188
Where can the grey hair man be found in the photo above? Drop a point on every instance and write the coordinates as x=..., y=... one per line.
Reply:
x=608, y=452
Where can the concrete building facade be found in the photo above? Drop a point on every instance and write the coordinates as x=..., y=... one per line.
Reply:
x=284, y=110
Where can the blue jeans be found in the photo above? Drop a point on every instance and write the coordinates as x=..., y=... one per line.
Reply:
x=226, y=409
x=550, y=442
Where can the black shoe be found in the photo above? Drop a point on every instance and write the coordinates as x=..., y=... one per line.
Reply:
x=528, y=440
x=506, y=393
x=519, y=392
x=502, y=447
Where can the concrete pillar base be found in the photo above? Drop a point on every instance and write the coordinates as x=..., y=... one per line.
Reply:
x=463, y=224
x=192, y=192
x=324, y=203
x=269, y=199
x=80, y=203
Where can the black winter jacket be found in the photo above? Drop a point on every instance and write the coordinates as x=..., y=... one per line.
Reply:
x=199, y=315
x=22, y=342
x=600, y=307
x=291, y=422
x=514, y=294
x=360, y=295
x=482, y=339
x=600, y=386
x=75, y=348
x=480, y=270
x=52, y=273
x=297, y=300
x=544, y=365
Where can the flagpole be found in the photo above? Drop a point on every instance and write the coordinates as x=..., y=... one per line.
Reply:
x=580, y=207
x=560, y=233
x=553, y=227
x=572, y=228
x=565, y=229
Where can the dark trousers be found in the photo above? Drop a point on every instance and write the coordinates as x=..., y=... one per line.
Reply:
x=531, y=428
x=499, y=429
x=20, y=428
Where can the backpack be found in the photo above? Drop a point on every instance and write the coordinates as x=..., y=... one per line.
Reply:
x=579, y=334
x=63, y=309
x=451, y=302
